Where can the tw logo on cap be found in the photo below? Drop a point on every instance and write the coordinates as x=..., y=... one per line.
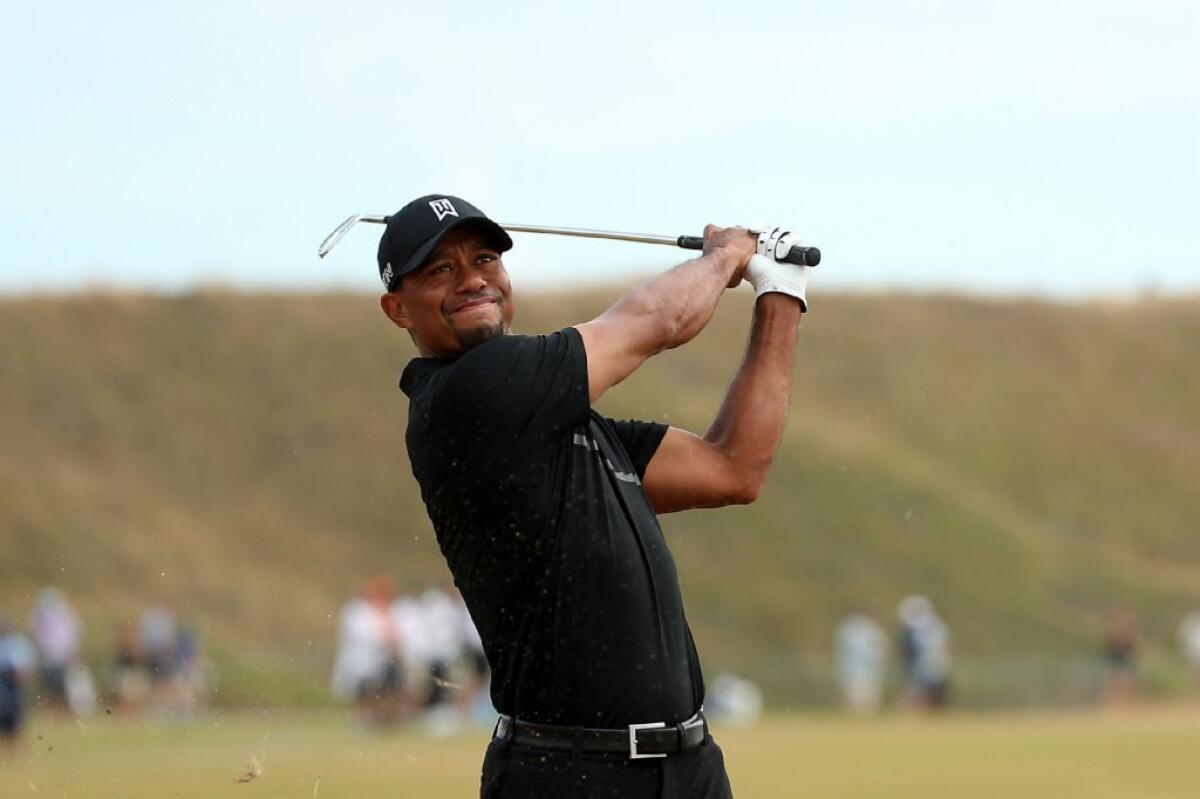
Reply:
x=443, y=208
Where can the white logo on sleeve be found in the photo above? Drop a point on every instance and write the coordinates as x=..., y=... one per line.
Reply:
x=589, y=443
x=442, y=208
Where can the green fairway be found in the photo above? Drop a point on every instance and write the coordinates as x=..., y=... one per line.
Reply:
x=1142, y=753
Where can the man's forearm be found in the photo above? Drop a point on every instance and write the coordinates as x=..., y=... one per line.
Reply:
x=665, y=311
x=679, y=302
x=750, y=424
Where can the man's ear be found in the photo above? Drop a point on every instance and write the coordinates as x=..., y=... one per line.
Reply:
x=392, y=304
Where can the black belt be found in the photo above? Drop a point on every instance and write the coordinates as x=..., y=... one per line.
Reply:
x=637, y=741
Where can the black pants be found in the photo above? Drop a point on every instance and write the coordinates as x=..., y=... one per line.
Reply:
x=511, y=771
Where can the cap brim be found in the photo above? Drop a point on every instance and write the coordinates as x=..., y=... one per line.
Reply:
x=423, y=252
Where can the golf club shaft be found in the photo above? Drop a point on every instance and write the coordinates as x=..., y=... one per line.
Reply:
x=804, y=256
x=643, y=238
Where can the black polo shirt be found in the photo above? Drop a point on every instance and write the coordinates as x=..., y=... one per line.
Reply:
x=538, y=507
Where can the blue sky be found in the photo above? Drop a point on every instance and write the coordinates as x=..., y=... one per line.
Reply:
x=1014, y=147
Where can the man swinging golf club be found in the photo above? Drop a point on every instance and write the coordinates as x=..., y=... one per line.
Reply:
x=545, y=510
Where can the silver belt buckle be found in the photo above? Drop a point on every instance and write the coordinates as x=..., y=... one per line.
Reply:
x=634, y=754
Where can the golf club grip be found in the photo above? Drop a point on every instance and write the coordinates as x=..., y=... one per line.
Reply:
x=801, y=256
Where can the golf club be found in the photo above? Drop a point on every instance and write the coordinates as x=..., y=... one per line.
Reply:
x=803, y=256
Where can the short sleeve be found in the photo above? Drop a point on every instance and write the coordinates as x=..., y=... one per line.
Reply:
x=516, y=392
x=641, y=440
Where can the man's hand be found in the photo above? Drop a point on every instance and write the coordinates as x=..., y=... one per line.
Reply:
x=774, y=242
x=735, y=243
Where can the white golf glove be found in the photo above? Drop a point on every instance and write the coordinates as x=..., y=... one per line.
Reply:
x=773, y=241
x=768, y=275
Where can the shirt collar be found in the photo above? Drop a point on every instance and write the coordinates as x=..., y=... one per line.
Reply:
x=420, y=368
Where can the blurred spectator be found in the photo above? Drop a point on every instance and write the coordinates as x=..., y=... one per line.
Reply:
x=1189, y=640
x=442, y=645
x=860, y=648
x=403, y=655
x=440, y=641
x=370, y=669
x=409, y=615
x=156, y=642
x=191, y=674
x=925, y=654
x=1120, y=658
x=174, y=678
x=129, y=683
x=56, y=629
x=733, y=700
x=81, y=690
x=474, y=664
x=18, y=659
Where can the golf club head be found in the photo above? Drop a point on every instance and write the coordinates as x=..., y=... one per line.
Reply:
x=341, y=230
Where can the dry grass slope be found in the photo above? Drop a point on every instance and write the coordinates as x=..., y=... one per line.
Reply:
x=1029, y=465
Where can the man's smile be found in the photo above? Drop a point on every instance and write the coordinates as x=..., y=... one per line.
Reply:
x=476, y=304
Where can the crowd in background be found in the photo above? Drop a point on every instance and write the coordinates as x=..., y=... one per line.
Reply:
x=922, y=643
x=406, y=656
x=403, y=657
x=860, y=650
x=418, y=656
x=157, y=665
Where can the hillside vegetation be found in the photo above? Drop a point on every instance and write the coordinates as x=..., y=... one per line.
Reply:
x=1028, y=465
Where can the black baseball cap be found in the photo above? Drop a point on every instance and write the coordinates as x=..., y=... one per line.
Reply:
x=414, y=231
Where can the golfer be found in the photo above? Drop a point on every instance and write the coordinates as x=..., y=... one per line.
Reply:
x=546, y=511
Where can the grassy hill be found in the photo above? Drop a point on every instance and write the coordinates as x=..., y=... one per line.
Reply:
x=1028, y=465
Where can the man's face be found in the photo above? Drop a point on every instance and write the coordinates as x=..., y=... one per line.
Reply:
x=458, y=298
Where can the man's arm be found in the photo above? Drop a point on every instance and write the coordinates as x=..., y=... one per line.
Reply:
x=729, y=464
x=665, y=311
